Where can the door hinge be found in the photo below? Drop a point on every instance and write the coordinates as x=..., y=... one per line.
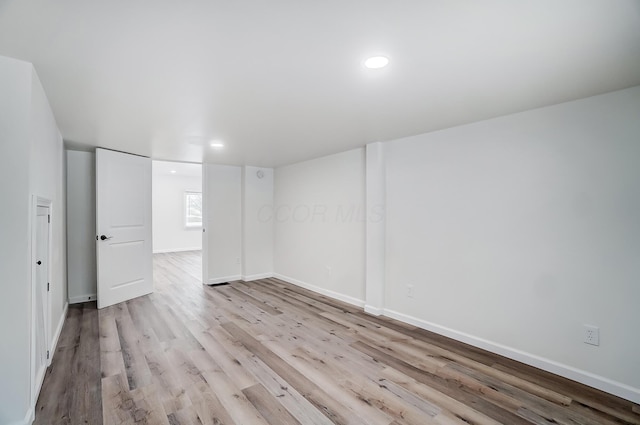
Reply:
x=47, y=286
x=48, y=218
x=47, y=354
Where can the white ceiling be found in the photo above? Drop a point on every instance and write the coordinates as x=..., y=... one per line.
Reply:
x=176, y=169
x=282, y=80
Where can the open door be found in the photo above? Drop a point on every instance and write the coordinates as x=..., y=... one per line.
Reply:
x=123, y=224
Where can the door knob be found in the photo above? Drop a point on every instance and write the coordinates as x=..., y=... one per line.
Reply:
x=104, y=238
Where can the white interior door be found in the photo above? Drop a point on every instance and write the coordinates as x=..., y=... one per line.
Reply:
x=41, y=296
x=123, y=224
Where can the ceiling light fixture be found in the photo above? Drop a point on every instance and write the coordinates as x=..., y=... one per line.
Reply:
x=217, y=144
x=376, y=62
x=172, y=171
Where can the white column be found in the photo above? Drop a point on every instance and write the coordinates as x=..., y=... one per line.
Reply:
x=375, y=231
x=257, y=223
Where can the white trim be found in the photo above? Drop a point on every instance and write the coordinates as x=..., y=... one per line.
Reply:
x=51, y=347
x=205, y=223
x=30, y=416
x=610, y=386
x=39, y=380
x=83, y=298
x=599, y=382
x=218, y=280
x=164, y=251
x=373, y=310
x=329, y=293
x=28, y=419
x=36, y=381
x=257, y=276
x=243, y=224
x=56, y=336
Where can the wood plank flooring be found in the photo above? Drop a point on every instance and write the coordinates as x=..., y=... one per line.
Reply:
x=270, y=353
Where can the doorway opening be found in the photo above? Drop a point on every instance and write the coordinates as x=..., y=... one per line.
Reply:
x=177, y=211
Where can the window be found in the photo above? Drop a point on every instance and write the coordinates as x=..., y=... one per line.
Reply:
x=193, y=209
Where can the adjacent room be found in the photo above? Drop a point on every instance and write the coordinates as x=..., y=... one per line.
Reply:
x=177, y=214
x=287, y=212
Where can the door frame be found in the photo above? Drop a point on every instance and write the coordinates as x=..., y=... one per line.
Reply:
x=38, y=201
x=205, y=223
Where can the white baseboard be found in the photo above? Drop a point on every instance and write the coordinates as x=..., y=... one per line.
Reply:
x=376, y=311
x=164, y=251
x=39, y=380
x=604, y=384
x=56, y=335
x=30, y=416
x=83, y=298
x=225, y=279
x=28, y=419
x=259, y=276
x=607, y=385
x=329, y=293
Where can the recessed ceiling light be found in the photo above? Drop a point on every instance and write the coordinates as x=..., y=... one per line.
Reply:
x=172, y=171
x=216, y=144
x=376, y=62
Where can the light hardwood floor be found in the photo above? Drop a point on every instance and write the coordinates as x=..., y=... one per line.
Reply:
x=268, y=352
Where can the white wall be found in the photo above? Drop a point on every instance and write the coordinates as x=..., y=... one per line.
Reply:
x=518, y=230
x=15, y=254
x=48, y=180
x=32, y=164
x=514, y=233
x=224, y=222
x=169, y=231
x=81, y=226
x=257, y=225
x=320, y=229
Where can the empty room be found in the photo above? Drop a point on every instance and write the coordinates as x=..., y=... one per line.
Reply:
x=297, y=212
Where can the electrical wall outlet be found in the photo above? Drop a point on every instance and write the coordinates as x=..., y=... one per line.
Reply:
x=591, y=335
x=410, y=291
